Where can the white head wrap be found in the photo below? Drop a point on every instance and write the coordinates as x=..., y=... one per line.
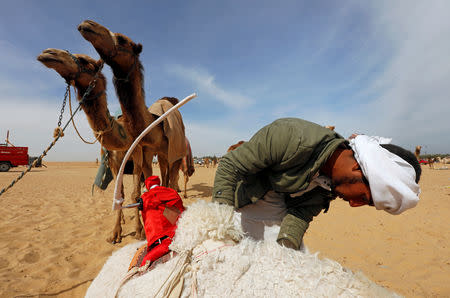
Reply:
x=391, y=178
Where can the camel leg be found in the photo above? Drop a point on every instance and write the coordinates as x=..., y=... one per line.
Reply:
x=186, y=179
x=136, y=194
x=116, y=235
x=174, y=174
x=164, y=168
x=147, y=167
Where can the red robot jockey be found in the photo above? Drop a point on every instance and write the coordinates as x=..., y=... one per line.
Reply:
x=160, y=207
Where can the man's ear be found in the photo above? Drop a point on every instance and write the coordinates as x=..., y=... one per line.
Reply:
x=137, y=48
x=356, y=167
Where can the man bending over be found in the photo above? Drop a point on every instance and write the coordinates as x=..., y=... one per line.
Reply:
x=291, y=169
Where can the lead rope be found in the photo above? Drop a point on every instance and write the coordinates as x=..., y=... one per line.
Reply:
x=74, y=126
x=187, y=262
x=60, y=131
x=130, y=274
x=175, y=279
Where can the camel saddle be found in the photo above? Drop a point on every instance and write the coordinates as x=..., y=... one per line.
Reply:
x=173, y=129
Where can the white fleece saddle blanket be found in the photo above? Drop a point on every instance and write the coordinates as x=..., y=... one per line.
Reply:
x=219, y=261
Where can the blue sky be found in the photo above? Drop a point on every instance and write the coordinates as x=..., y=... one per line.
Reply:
x=373, y=67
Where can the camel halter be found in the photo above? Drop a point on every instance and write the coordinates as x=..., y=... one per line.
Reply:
x=118, y=200
x=82, y=69
x=120, y=48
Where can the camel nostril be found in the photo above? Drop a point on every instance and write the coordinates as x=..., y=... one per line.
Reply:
x=79, y=28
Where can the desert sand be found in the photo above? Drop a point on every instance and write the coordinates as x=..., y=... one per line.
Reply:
x=53, y=233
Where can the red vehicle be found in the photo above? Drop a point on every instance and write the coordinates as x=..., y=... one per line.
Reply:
x=423, y=161
x=11, y=156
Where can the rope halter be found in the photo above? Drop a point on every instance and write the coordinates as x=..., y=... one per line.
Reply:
x=118, y=48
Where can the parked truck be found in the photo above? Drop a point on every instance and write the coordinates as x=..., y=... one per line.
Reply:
x=12, y=156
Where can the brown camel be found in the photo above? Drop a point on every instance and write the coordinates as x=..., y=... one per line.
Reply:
x=431, y=162
x=122, y=55
x=207, y=161
x=232, y=147
x=173, y=128
x=187, y=166
x=417, y=152
x=79, y=70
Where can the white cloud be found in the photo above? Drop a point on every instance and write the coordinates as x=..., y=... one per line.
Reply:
x=213, y=138
x=31, y=122
x=413, y=89
x=206, y=85
x=408, y=97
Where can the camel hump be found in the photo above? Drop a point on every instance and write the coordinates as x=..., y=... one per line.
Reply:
x=172, y=100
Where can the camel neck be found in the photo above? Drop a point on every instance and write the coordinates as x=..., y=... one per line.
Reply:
x=95, y=107
x=113, y=135
x=131, y=96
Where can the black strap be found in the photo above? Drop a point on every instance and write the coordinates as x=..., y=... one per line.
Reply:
x=157, y=242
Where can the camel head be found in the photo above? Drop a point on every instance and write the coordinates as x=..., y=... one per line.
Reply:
x=78, y=68
x=233, y=147
x=115, y=49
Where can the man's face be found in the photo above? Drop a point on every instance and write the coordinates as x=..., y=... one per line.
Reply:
x=349, y=181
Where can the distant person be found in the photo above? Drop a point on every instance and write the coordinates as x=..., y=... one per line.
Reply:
x=291, y=169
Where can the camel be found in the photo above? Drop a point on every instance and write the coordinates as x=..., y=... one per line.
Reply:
x=187, y=166
x=122, y=55
x=207, y=161
x=79, y=70
x=431, y=162
x=232, y=147
x=417, y=152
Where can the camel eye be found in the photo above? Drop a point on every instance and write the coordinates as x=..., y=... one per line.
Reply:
x=82, y=61
x=121, y=40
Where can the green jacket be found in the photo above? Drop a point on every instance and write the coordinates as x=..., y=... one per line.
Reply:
x=282, y=156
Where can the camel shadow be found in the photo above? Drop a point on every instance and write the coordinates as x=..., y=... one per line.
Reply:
x=202, y=189
x=20, y=171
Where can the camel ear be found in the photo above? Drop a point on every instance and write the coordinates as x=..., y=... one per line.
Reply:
x=97, y=64
x=137, y=48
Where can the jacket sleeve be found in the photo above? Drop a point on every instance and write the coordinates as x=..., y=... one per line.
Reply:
x=270, y=146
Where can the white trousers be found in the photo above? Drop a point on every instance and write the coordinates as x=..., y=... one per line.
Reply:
x=262, y=219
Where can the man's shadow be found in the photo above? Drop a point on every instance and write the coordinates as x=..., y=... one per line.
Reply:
x=202, y=189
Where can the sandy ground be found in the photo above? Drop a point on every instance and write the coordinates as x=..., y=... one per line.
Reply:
x=53, y=233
